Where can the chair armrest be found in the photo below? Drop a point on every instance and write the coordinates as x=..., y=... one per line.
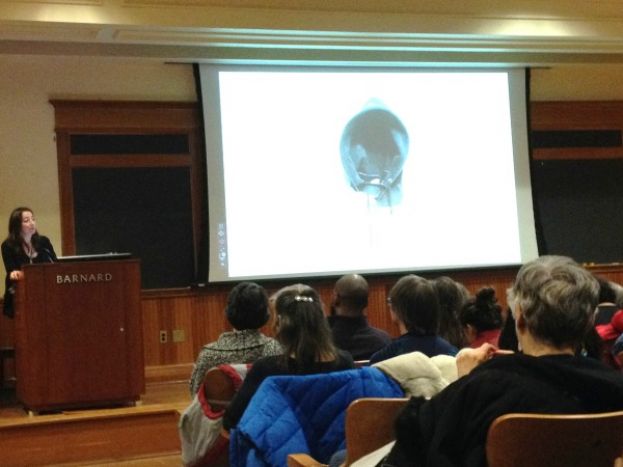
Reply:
x=303, y=460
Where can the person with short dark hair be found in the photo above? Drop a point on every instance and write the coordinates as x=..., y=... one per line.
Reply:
x=348, y=322
x=481, y=318
x=552, y=301
x=22, y=246
x=247, y=311
x=414, y=306
x=303, y=331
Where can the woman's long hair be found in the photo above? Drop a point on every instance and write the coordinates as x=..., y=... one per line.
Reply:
x=302, y=328
x=14, y=239
x=452, y=296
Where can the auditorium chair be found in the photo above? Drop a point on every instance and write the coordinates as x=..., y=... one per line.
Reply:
x=219, y=388
x=220, y=384
x=369, y=425
x=543, y=440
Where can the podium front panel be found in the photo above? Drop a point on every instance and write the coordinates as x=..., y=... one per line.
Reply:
x=79, y=334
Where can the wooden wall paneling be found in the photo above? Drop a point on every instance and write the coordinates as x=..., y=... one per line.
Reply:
x=203, y=319
x=612, y=272
x=209, y=320
x=151, y=329
x=181, y=316
x=378, y=310
x=500, y=280
x=166, y=315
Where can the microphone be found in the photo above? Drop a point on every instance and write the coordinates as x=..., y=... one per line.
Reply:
x=49, y=253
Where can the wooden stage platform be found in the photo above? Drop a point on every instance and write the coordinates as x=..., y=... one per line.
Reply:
x=145, y=435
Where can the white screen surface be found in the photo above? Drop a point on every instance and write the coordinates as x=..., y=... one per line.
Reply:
x=291, y=196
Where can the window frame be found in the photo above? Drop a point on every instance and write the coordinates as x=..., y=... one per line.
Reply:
x=74, y=117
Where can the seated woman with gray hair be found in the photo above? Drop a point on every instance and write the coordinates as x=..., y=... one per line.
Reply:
x=552, y=301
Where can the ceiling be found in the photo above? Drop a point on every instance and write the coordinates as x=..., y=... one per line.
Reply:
x=399, y=32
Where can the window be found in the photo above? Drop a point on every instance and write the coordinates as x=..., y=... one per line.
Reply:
x=130, y=180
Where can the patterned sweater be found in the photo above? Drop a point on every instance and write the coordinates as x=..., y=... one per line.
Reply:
x=232, y=347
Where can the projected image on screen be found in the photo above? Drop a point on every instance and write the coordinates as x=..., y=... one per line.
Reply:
x=374, y=148
x=325, y=172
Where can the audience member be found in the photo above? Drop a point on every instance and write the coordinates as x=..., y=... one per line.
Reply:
x=618, y=293
x=247, y=311
x=348, y=321
x=608, y=334
x=304, y=333
x=607, y=307
x=607, y=328
x=591, y=346
x=413, y=305
x=452, y=296
x=508, y=336
x=481, y=318
x=553, y=300
x=617, y=350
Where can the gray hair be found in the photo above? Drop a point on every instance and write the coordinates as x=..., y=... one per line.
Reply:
x=557, y=298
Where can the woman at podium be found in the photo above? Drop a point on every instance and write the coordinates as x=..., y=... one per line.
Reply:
x=22, y=246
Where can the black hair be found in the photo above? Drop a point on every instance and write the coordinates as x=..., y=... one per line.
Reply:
x=352, y=293
x=482, y=312
x=247, y=306
x=508, y=335
x=606, y=291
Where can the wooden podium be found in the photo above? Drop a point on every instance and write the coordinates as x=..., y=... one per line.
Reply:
x=78, y=335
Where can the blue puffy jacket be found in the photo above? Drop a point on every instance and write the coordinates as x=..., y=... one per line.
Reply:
x=302, y=414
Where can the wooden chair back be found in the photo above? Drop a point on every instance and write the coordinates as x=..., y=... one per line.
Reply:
x=219, y=388
x=370, y=425
x=541, y=440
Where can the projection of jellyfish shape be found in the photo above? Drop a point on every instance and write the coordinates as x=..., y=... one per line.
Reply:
x=374, y=148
